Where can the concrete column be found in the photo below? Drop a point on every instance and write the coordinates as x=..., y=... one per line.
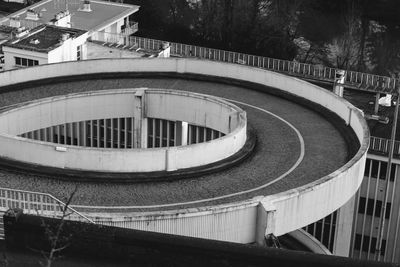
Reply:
x=82, y=133
x=265, y=223
x=338, y=88
x=344, y=226
x=105, y=133
x=376, y=108
x=181, y=133
x=144, y=133
x=140, y=120
x=126, y=133
x=91, y=133
x=184, y=134
x=98, y=133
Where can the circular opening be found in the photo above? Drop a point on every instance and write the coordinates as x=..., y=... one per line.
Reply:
x=124, y=130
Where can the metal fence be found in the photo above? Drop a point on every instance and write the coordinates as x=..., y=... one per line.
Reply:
x=38, y=204
x=324, y=230
x=354, y=79
x=381, y=145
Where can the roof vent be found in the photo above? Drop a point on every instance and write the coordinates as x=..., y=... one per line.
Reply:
x=34, y=41
x=64, y=37
x=15, y=22
x=21, y=31
x=86, y=6
x=32, y=15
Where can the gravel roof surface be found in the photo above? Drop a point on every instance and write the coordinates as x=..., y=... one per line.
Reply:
x=277, y=149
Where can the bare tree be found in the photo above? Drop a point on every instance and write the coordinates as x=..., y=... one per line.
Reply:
x=57, y=237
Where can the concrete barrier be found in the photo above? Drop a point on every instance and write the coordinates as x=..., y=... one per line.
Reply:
x=199, y=109
x=278, y=214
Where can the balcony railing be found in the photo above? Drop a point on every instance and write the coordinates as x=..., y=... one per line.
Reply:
x=381, y=145
x=131, y=28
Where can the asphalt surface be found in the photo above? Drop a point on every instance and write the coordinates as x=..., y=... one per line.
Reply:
x=277, y=149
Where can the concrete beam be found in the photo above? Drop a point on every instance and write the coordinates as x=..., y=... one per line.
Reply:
x=344, y=224
x=265, y=223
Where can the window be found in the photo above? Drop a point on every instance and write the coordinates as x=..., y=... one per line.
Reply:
x=79, y=52
x=366, y=244
x=370, y=207
x=377, y=169
x=25, y=62
x=383, y=171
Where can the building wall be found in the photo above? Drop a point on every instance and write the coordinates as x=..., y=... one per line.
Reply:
x=10, y=53
x=65, y=52
x=369, y=211
x=68, y=51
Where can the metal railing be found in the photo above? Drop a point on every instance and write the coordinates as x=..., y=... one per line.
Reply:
x=381, y=145
x=37, y=204
x=354, y=79
x=132, y=27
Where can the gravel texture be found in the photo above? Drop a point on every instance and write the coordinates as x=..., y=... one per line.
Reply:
x=276, y=151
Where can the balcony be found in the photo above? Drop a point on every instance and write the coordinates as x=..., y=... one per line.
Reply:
x=129, y=29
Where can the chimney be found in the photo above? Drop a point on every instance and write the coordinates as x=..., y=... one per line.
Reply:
x=34, y=41
x=15, y=22
x=86, y=6
x=62, y=19
x=32, y=15
x=64, y=37
x=21, y=31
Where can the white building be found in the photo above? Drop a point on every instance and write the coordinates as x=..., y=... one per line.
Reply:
x=45, y=44
x=92, y=16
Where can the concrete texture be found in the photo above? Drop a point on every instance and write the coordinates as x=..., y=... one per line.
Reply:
x=276, y=151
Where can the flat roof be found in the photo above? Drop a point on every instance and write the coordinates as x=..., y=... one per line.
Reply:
x=44, y=38
x=276, y=151
x=5, y=32
x=103, y=13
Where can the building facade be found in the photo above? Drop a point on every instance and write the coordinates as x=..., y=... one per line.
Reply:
x=369, y=206
x=44, y=45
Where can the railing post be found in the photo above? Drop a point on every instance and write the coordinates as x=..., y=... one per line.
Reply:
x=338, y=87
x=376, y=107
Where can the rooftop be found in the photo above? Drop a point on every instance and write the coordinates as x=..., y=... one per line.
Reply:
x=102, y=14
x=5, y=33
x=44, y=38
x=326, y=148
x=6, y=29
